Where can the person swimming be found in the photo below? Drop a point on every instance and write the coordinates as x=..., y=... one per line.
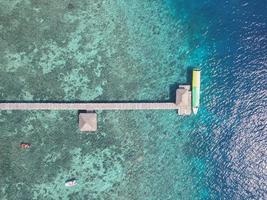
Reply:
x=25, y=145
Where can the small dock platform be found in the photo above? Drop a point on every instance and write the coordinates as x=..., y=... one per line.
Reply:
x=183, y=100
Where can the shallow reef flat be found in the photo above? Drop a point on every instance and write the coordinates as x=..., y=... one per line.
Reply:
x=78, y=50
x=95, y=51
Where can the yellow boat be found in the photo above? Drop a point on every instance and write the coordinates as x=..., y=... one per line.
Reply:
x=195, y=90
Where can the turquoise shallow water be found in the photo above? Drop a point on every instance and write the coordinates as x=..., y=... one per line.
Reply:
x=132, y=51
x=97, y=51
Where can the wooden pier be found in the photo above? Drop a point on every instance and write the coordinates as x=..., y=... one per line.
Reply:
x=88, y=121
x=89, y=106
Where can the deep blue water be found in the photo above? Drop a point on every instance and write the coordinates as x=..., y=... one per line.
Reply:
x=234, y=33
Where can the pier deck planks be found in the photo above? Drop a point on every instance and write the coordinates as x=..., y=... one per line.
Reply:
x=88, y=106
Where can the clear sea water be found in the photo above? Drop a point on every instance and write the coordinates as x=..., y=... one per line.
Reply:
x=134, y=51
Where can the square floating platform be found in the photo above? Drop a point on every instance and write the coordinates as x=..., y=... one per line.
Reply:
x=88, y=122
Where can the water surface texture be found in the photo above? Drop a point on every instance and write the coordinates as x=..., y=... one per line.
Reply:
x=119, y=50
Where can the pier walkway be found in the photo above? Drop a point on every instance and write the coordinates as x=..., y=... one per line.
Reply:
x=88, y=120
x=89, y=106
